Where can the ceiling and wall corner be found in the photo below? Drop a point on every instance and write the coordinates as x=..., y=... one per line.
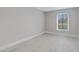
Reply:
x=47, y=9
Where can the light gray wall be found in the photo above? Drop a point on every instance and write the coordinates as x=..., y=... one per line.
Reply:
x=30, y=21
x=77, y=24
x=19, y=23
x=51, y=18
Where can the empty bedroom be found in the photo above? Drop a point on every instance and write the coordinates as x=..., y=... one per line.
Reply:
x=39, y=29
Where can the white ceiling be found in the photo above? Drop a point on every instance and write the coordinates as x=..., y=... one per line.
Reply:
x=46, y=9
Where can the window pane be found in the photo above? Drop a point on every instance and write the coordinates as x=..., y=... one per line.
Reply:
x=64, y=18
x=59, y=26
x=64, y=26
x=62, y=21
x=59, y=19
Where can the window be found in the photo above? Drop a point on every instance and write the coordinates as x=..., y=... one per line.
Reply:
x=62, y=22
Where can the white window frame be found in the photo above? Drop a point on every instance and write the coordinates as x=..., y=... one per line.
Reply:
x=67, y=22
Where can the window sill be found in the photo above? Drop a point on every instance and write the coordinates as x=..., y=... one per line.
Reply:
x=62, y=30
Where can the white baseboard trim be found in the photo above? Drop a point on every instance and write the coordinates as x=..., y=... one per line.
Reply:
x=70, y=35
x=19, y=41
